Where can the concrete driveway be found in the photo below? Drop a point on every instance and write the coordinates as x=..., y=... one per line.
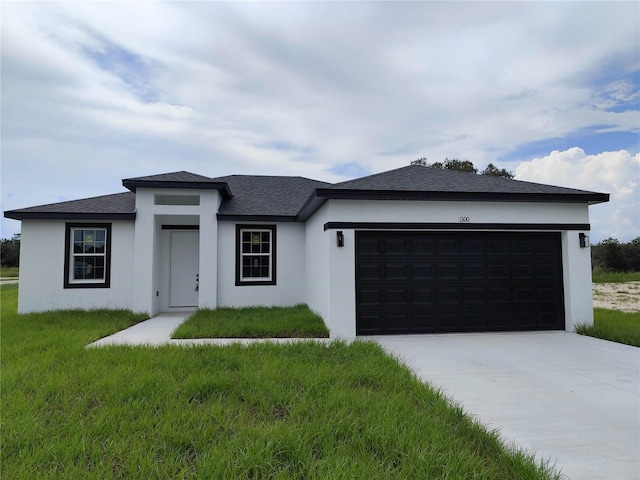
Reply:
x=572, y=399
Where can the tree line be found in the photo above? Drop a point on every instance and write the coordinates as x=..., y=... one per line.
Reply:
x=464, y=166
x=610, y=255
x=10, y=251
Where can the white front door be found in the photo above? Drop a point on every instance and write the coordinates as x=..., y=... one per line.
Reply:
x=183, y=281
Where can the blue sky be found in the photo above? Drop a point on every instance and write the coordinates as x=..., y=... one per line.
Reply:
x=96, y=92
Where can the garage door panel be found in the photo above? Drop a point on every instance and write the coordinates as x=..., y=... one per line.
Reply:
x=368, y=271
x=522, y=271
x=497, y=247
x=448, y=271
x=420, y=247
x=393, y=247
x=498, y=271
x=473, y=271
x=397, y=271
x=396, y=296
x=472, y=247
x=422, y=296
x=369, y=296
x=522, y=247
x=448, y=296
x=474, y=322
x=523, y=295
x=497, y=295
x=423, y=282
x=474, y=295
x=447, y=247
x=421, y=271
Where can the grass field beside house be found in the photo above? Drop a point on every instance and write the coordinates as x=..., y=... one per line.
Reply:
x=615, y=277
x=11, y=272
x=621, y=327
x=311, y=411
x=254, y=322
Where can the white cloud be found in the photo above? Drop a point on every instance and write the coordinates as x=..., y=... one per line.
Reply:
x=616, y=173
x=211, y=87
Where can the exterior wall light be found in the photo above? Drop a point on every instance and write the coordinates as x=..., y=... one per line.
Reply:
x=584, y=240
x=340, y=238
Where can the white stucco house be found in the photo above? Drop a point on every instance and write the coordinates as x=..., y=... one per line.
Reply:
x=411, y=250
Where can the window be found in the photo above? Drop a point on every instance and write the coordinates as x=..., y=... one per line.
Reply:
x=256, y=255
x=87, y=255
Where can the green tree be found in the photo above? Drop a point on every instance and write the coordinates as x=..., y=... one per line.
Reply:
x=420, y=161
x=10, y=251
x=464, y=166
x=613, y=256
x=494, y=171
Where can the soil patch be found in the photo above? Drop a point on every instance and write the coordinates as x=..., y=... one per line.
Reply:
x=617, y=296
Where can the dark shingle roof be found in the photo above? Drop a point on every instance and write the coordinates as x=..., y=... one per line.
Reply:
x=176, y=180
x=266, y=196
x=118, y=206
x=425, y=183
x=297, y=198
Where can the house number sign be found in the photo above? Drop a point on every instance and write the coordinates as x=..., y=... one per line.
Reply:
x=464, y=219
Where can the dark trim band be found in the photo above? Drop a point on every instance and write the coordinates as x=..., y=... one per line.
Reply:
x=17, y=215
x=180, y=227
x=132, y=184
x=255, y=218
x=587, y=197
x=457, y=226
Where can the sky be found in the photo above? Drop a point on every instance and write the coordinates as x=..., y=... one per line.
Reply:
x=93, y=93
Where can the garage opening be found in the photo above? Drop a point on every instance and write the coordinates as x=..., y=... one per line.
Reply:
x=441, y=282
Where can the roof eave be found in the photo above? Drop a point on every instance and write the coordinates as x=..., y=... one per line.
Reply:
x=18, y=215
x=591, y=198
x=222, y=187
x=311, y=206
x=255, y=218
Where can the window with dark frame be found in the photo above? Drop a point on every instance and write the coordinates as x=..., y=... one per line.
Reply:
x=87, y=255
x=256, y=253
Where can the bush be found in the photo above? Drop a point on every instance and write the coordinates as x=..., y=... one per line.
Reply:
x=10, y=251
x=612, y=256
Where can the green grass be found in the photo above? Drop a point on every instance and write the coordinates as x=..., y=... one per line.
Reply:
x=615, y=277
x=253, y=322
x=311, y=411
x=621, y=327
x=8, y=271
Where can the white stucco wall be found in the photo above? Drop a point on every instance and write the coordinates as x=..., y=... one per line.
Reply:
x=578, y=289
x=450, y=212
x=42, y=252
x=151, y=248
x=290, y=273
x=317, y=247
x=338, y=309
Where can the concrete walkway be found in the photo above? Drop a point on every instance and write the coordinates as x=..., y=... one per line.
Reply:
x=572, y=399
x=157, y=331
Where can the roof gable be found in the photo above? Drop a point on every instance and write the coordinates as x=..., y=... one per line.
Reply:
x=180, y=179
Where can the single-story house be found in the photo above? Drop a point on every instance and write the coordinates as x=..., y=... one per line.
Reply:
x=411, y=250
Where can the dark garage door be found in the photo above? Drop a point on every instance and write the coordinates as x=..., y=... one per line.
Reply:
x=434, y=282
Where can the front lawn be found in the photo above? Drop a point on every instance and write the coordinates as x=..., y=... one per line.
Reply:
x=311, y=410
x=254, y=322
x=621, y=327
